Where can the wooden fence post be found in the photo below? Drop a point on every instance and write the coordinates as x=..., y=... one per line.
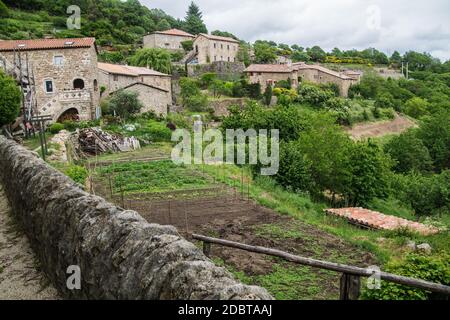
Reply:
x=350, y=287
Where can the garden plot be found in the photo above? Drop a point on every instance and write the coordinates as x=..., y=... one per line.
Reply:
x=194, y=202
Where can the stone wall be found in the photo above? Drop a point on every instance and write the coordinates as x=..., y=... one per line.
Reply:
x=121, y=256
x=221, y=107
x=224, y=70
x=165, y=41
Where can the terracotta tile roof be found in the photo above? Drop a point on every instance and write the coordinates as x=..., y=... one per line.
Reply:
x=303, y=66
x=176, y=32
x=378, y=220
x=269, y=68
x=218, y=38
x=129, y=70
x=46, y=44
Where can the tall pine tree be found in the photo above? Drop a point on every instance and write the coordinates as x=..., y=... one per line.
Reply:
x=193, y=21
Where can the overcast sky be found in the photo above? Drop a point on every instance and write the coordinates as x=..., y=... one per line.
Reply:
x=387, y=25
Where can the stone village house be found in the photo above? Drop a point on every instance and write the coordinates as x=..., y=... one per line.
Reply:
x=153, y=87
x=206, y=48
x=169, y=39
x=270, y=74
x=64, y=72
x=209, y=48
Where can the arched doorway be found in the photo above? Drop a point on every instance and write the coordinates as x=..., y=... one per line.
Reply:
x=70, y=114
x=78, y=84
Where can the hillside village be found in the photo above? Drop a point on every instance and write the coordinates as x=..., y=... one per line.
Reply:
x=363, y=177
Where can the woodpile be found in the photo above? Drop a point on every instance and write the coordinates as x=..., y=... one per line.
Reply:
x=94, y=141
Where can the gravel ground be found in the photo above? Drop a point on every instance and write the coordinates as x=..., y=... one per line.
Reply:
x=20, y=278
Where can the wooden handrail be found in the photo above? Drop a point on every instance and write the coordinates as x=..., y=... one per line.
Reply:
x=346, y=269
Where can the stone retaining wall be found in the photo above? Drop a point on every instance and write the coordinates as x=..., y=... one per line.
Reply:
x=121, y=256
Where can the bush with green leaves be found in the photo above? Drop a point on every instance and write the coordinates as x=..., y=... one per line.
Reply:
x=154, y=58
x=77, y=173
x=409, y=153
x=313, y=95
x=10, y=98
x=56, y=127
x=187, y=45
x=124, y=104
x=431, y=268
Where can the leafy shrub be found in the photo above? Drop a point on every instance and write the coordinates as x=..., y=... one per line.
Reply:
x=124, y=104
x=431, y=268
x=77, y=173
x=70, y=125
x=313, y=95
x=154, y=131
x=179, y=120
x=56, y=128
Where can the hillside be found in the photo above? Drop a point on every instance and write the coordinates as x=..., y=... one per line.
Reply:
x=112, y=22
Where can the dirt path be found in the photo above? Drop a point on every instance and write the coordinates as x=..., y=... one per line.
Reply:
x=19, y=275
x=377, y=129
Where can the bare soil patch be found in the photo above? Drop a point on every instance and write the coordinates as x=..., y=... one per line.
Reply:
x=378, y=129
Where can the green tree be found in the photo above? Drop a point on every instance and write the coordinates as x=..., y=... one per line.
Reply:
x=10, y=99
x=316, y=53
x=327, y=147
x=435, y=135
x=369, y=172
x=187, y=45
x=193, y=21
x=154, y=58
x=124, y=104
x=163, y=25
x=409, y=153
x=224, y=34
x=396, y=59
x=265, y=53
x=295, y=169
x=4, y=12
x=268, y=95
x=416, y=107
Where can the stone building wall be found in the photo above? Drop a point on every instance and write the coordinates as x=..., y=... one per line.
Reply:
x=169, y=42
x=119, y=254
x=153, y=99
x=264, y=77
x=225, y=70
x=78, y=63
x=211, y=50
x=317, y=76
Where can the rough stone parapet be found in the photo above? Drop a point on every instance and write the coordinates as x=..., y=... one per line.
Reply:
x=121, y=256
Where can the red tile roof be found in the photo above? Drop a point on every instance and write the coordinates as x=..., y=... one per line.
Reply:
x=46, y=44
x=176, y=32
x=269, y=68
x=218, y=38
x=129, y=70
x=378, y=220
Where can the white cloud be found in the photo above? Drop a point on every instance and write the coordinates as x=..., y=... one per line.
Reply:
x=346, y=24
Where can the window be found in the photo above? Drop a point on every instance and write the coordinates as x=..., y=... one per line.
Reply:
x=221, y=46
x=95, y=85
x=215, y=58
x=214, y=45
x=49, y=86
x=58, y=60
x=228, y=59
x=116, y=77
x=221, y=58
x=228, y=47
x=78, y=84
x=251, y=74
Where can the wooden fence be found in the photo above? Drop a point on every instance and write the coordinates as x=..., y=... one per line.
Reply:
x=350, y=282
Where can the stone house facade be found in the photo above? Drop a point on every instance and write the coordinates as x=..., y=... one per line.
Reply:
x=321, y=75
x=169, y=39
x=210, y=48
x=153, y=87
x=270, y=74
x=64, y=71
